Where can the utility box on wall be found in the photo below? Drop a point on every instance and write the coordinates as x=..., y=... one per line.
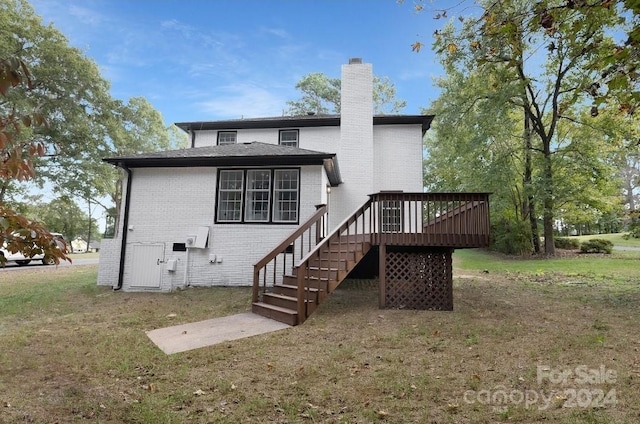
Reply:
x=199, y=240
x=172, y=264
x=202, y=237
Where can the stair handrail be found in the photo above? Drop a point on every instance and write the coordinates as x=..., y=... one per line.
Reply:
x=332, y=235
x=302, y=265
x=318, y=216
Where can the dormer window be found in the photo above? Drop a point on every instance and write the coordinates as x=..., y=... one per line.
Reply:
x=227, y=137
x=289, y=138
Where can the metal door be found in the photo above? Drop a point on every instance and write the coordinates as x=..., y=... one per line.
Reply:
x=146, y=265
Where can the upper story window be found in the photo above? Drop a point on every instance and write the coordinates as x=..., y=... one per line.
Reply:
x=289, y=138
x=227, y=137
x=258, y=196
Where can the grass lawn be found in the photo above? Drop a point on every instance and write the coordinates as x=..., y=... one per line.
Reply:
x=616, y=239
x=617, y=267
x=72, y=351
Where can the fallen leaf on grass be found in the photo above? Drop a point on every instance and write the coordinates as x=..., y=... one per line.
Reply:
x=199, y=392
x=151, y=387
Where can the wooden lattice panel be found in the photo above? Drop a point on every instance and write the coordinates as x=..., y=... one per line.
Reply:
x=419, y=280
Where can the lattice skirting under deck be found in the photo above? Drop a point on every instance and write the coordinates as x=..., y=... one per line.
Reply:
x=419, y=280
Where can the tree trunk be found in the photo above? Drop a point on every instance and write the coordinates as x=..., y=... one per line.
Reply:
x=547, y=216
x=530, y=201
x=89, y=229
x=3, y=191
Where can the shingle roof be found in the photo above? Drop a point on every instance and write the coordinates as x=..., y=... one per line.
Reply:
x=242, y=154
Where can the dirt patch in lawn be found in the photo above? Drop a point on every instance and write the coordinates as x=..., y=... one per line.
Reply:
x=500, y=356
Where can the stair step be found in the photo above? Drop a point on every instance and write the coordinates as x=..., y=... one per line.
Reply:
x=324, y=272
x=282, y=300
x=291, y=290
x=284, y=315
x=341, y=264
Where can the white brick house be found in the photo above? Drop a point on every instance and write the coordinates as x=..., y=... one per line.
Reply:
x=203, y=216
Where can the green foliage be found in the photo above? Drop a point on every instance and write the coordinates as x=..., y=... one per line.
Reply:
x=84, y=123
x=566, y=243
x=634, y=225
x=512, y=237
x=61, y=215
x=531, y=121
x=596, y=246
x=18, y=233
x=321, y=95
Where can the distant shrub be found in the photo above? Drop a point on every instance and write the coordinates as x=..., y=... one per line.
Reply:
x=566, y=243
x=596, y=246
x=634, y=225
x=511, y=237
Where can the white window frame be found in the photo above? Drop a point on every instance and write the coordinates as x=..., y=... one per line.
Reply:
x=257, y=193
x=223, y=134
x=277, y=194
x=222, y=193
x=280, y=191
x=289, y=142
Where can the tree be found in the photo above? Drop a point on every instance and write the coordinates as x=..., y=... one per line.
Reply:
x=85, y=124
x=17, y=233
x=321, y=95
x=69, y=91
x=551, y=56
x=476, y=144
x=61, y=215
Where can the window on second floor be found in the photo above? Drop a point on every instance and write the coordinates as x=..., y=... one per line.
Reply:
x=289, y=138
x=227, y=137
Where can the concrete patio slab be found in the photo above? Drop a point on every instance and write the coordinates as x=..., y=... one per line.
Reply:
x=181, y=338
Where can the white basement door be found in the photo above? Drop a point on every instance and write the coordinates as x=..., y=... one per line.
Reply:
x=146, y=265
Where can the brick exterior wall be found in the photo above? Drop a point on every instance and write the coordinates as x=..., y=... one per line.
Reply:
x=168, y=204
x=397, y=158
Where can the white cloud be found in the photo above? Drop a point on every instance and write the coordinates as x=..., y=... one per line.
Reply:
x=85, y=15
x=278, y=32
x=243, y=100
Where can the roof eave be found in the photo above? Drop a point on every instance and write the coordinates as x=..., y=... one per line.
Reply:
x=300, y=122
x=219, y=161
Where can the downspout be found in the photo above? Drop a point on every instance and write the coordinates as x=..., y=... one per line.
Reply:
x=125, y=225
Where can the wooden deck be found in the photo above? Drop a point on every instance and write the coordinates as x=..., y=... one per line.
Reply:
x=295, y=277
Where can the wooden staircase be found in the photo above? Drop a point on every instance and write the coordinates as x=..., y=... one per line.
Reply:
x=292, y=280
x=324, y=272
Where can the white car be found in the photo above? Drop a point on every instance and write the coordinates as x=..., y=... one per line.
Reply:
x=20, y=259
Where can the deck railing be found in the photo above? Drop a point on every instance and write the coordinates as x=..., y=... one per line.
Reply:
x=455, y=220
x=281, y=260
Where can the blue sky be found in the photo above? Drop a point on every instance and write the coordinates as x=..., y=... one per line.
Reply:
x=219, y=59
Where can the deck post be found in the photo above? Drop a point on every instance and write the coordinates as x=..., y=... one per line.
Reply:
x=382, y=273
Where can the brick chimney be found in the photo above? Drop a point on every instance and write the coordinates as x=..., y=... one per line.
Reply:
x=355, y=151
